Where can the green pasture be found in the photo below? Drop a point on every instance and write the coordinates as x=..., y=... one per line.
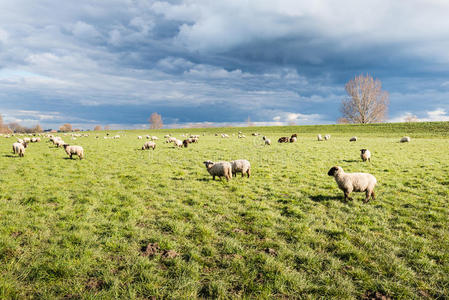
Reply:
x=80, y=229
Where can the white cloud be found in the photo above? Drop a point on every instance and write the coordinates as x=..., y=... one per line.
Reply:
x=436, y=115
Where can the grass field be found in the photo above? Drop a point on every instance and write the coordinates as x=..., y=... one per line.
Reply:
x=80, y=229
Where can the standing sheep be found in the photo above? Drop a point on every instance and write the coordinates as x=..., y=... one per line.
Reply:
x=283, y=139
x=319, y=137
x=19, y=148
x=149, y=145
x=354, y=182
x=293, y=139
x=267, y=140
x=327, y=137
x=177, y=143
x=77, y=150
x=221, y=168
x=365, y=154
x=241, y=166
x=353, y=139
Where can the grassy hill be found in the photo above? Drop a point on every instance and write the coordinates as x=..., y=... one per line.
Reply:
x=81, y=229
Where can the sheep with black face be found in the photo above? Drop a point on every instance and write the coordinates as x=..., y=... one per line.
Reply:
x=354, y=182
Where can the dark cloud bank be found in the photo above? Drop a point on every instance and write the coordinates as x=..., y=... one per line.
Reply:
x=276, y=62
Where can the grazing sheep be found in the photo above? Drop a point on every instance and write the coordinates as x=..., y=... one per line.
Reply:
x=242, y=136
x=353, y=139
x=255, y=134
x=71, y=150
x=405, y=139
x=186, y=142
x=293, y=139
x=166, y=136
x=149, y=145
x=221, y=168
x=139, y=137
x=27, y=140
x=241, y=166
x=59, y=143
x=170, y=139
x=354, y=182
x=178, y=143
x=267, y=140
x=116, y=136
x=19, y=148
x=319, y=137
x=327, y=137
x=154, y=138
x=224, y=135
x=283, y=139
x=365, y=154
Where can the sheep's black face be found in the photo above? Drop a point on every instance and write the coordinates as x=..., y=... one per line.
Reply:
x=363, y=151
x=207, y=163
x=332, y=171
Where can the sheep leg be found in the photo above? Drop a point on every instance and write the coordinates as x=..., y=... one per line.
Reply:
x=71, y=155
x=248, y=172
x=347, y=196
x=373, y=195
x=243, y=174
x=213, y=177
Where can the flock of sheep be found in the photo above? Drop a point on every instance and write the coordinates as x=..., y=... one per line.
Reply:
x=347, y=182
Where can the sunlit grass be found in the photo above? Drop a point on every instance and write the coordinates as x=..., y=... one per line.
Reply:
x=78, y=228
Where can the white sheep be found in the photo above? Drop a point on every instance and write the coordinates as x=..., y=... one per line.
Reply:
x=71, y=150
x=149, y=145
x=221, y=168
x=327, y=137
x=405, y=139
x=319, y=137
x=266, y=140
x=353, y=139
x=178, y=143
x=242, y=136
x=365, y=154
x=166, y=136
x=241, y=166
x=59, y=143
x=19, y=148
x=171, y=139
x=354, y=182
x=154, y=138
x=139, y=137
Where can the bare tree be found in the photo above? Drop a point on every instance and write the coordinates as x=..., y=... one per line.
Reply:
x=155, y=121
x=249, y=123
x=66, y=127
x=3, y=127
x=97, y=128
x=366, y=102
x=37, y=128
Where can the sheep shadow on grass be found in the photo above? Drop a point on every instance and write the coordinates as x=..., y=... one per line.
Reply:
x=351, y=160
x=321, y=198
x=10, y=155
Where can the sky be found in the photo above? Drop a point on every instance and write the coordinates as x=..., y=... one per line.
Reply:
x=217, y=63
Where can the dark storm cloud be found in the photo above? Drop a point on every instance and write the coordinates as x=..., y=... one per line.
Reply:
x=217, y=61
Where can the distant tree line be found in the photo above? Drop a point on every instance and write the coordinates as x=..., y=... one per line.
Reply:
x=16, y=127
